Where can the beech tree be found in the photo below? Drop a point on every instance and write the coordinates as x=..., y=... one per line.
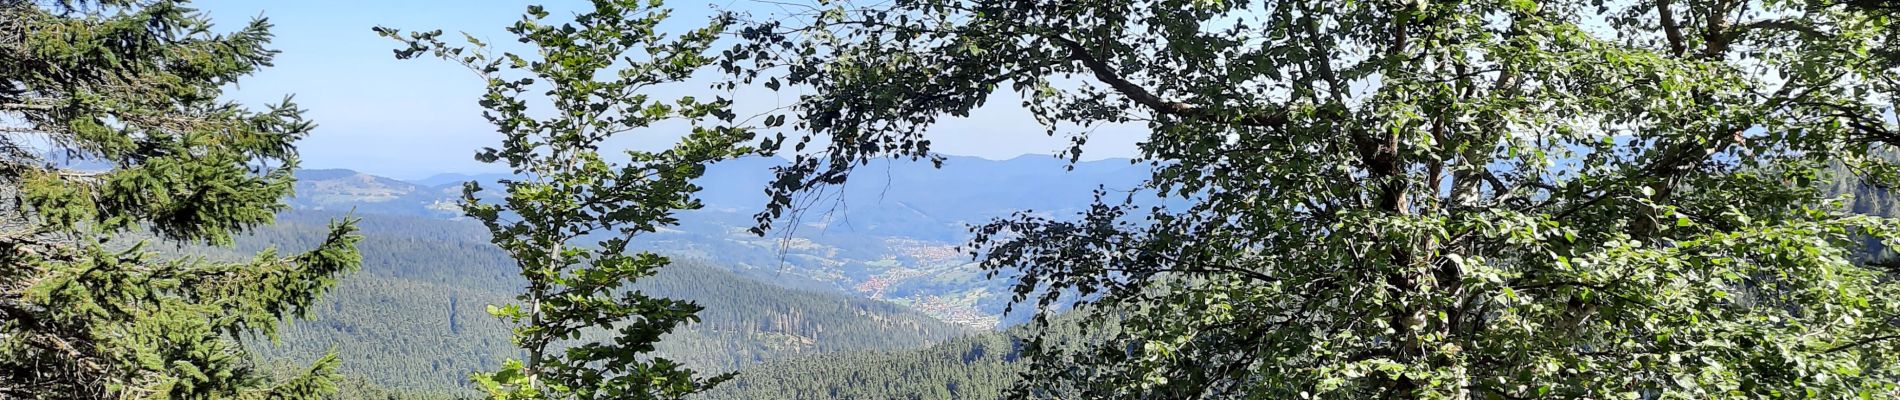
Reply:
x=1406, y=199
x=112, y=138
x=569, y=219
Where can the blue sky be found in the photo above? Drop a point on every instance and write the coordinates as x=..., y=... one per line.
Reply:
x=414, y=118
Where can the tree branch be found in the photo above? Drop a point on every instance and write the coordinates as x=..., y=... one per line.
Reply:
x=1107, y=74
x=25, y=107
x=1861, y=342
x=1671, y=29
x=1775, y=25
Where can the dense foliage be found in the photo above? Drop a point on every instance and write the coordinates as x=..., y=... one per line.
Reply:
x=110, y=124
x=595, y=72
x=980, y=366
x=1409, y=199
x=973, y=367
x=985, y=366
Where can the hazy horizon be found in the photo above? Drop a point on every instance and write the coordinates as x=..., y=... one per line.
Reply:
x=422, y=115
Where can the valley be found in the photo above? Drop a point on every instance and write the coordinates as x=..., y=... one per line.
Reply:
x=877, y=271
x=886, y=238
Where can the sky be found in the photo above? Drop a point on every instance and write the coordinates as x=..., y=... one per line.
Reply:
x=415, y=118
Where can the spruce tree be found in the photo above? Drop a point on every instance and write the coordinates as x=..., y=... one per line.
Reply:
x=112, y=138
x=570, y=217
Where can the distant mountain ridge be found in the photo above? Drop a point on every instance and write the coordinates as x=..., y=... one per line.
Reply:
x=456, y=178
x=344, y=190
x=891, y=233
x=909, y=197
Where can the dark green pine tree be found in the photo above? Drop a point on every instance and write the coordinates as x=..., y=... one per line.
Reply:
x=111, y=136
x=568, y=222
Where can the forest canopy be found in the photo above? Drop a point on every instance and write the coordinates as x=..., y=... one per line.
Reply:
x=1407, y=199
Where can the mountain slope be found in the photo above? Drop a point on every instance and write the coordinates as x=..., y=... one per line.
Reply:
x=981, y=366
x=414, y=317
x=344, y=190
x=891, y=234
x=972, y=367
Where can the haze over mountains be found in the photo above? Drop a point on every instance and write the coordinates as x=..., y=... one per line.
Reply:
x=891, y=234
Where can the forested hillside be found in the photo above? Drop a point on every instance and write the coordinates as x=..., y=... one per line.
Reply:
x=892, y=237
x=414, y=318
x=973, y=367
